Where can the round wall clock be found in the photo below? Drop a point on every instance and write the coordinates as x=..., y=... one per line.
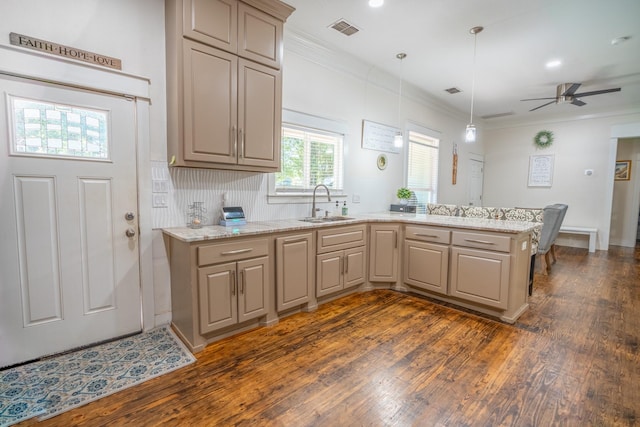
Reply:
x=382, y=162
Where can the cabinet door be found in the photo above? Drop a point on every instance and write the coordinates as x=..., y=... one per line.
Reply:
x=329, y=273
x=383, y=253
x=426, y=266
x=294, y=270
x=253, y=285
x=213, y=22
x=259, y=36
x=217, y=294
x=354, y=267
x=210, y=104
x=480, y=276
x=259, y=115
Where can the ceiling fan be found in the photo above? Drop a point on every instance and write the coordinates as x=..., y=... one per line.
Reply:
x=566, y=92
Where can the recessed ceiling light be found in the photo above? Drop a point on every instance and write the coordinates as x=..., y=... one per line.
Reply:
x=553, y=63
x=376, y=3
x=619, y=40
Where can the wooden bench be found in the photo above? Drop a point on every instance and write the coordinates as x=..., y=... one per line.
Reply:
x=590, y=231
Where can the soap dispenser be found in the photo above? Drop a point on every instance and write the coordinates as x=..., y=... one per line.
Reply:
x=345, y=210
x=336, y=211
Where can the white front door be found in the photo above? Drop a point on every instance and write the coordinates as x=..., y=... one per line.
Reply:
x=69, y=262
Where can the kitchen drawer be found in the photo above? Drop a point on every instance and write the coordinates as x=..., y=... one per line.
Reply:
x=428, y=234
x=490, y=242
x=223, y=252
x=341, y=238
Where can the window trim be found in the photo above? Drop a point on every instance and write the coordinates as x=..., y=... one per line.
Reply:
x=322, y=124
x=431, y=133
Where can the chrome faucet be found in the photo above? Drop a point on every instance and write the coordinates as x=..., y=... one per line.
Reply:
x=313, y=206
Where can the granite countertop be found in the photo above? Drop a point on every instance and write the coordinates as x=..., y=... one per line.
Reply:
x=212, y=232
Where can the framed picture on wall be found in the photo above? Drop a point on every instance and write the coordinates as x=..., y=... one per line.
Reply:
x=623, y=170
x=541, y=170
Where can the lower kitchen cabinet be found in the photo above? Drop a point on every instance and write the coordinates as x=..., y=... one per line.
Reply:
x=336, y=271
x=383, y=252
x=232, y=293
x=426, y=266
x=294, y=270
x=481, y=275
x=341, y=258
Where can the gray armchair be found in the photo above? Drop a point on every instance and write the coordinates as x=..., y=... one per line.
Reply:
x=552, y=220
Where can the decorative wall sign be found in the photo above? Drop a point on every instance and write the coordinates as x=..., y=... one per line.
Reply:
x=623, y=170
x=541, y=170
x=376, y=136
x=64, y=51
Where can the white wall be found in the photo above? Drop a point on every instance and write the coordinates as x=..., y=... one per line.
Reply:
x=578, y=145
x=626, y=195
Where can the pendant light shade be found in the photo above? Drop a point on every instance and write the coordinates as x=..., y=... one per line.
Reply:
x=470, y=133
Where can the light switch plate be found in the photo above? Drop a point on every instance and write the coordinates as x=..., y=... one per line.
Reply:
x=159, y=200
x=160, y=186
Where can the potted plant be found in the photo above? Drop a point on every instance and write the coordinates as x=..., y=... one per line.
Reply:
x=404, y=194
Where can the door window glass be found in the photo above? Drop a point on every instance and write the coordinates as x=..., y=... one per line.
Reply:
x=55, y=130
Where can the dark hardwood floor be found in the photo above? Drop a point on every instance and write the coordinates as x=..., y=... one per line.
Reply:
x=384, y=358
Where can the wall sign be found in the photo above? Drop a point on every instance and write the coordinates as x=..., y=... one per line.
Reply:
x=64, y=51
x=376, y=136
x=541, y=170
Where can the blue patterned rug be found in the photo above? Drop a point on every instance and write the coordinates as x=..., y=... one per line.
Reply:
x=55, y=385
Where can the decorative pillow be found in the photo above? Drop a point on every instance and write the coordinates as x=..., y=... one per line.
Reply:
x=480, y=212
x=441, y=209
x=523, y=214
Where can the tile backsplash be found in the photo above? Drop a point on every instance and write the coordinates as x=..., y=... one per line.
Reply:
x=175, y=189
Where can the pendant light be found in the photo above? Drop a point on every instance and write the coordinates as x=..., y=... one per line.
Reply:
x=398, y=139
x=470, y=133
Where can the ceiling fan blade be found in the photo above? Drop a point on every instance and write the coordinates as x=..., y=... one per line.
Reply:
x=572, y=89
x=537, y=99
x=543, y=105
x=596, y=92
x=578, y=102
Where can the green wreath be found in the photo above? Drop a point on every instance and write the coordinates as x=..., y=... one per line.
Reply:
x=543, y=139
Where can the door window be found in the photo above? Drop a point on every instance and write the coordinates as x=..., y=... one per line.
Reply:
x=55, y=130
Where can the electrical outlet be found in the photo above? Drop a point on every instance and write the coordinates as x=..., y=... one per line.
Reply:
x=355, y=198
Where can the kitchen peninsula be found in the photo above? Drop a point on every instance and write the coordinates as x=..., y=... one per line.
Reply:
x=225, y=280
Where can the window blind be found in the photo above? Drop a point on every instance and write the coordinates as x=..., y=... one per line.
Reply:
x=422, y=168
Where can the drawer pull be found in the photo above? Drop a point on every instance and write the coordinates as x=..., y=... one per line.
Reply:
x=431, y=236
x=237, y=251
x=482, y=242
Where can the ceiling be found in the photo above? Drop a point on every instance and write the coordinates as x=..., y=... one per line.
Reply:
x=519, y=38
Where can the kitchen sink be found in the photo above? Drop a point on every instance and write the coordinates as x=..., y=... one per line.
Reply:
x=319, y=220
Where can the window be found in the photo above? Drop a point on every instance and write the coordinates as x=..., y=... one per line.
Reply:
x=309, y=157
x=422, y=165
x=55, y=130
x=312, y=154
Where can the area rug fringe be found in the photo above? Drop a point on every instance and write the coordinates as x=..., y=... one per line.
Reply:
x=49, y=387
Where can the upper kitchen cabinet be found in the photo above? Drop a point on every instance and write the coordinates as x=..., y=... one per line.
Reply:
x=250, y=32
x=224, y=83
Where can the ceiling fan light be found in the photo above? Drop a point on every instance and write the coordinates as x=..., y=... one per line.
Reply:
x=470, y=134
